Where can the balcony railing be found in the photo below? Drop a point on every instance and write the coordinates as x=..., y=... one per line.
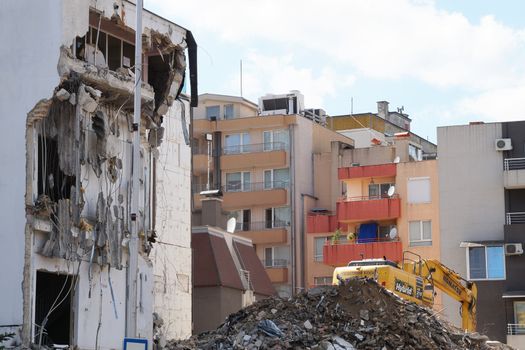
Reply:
x=277, y=263
x=261, y=225
x=515, y=218
x=514, y=164
x=515, y=329
x=243, y=187
x=255, y=147
x=254, y=186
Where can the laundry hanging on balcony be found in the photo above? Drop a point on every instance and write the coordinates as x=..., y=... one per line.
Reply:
x=367, y=233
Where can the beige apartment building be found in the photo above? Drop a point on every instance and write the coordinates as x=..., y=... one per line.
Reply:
x=261, y=159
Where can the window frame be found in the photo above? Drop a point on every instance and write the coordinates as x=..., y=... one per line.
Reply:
x=242, y=189
x=421, y=240
x=317, y=257
x=420, y=178
x=325, y=278
x=486, y=265
x=224, y=109
x=272, y=141
x=218, y=117
x=272, y=179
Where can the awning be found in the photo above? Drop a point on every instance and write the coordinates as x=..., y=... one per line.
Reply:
x=471, y=244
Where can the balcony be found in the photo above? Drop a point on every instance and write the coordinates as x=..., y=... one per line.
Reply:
x=514, y=174
x=246, y=195
x=368, y=208
x=277, y=270
x=516, y=335
x=515, y=218
x=263, y=155
x=321, y=223
x=342, y=254
x=355, y=172
x=263, y=232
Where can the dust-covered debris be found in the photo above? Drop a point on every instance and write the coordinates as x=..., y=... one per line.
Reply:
x=358, y=315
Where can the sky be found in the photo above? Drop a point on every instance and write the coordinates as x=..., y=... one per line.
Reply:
x=446, y=62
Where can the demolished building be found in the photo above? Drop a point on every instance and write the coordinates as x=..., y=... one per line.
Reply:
x=68, y=102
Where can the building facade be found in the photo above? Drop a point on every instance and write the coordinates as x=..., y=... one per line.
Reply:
x=262, y=161
x=67, y=192
x=482, y=200
x=382, y=205
x=369, y=129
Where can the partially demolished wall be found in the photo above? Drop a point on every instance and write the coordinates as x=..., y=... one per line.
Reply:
x=78, y=188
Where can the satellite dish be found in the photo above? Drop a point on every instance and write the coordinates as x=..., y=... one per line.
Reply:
x=230, y=226
x=396, y=159
x=391, y=191
x=393, y=233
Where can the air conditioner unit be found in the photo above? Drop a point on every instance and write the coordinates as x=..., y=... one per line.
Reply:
x=513, y=249
x=503, y=144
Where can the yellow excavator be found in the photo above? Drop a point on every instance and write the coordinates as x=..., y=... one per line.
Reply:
x=415, y=279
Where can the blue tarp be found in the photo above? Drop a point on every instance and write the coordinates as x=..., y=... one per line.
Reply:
x=367, y=233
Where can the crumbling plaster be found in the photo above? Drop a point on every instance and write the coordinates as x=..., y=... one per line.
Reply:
x=63, y=20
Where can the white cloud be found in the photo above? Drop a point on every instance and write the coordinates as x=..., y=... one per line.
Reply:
x=279, y=74
x=381, y=39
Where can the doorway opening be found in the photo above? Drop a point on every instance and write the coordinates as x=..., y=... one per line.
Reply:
x=53, y=312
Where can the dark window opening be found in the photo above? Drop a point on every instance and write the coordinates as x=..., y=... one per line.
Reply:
x=80, y=46
x=101, y=40
x=53, y=292
x=51, y=180
x=269, y=218
x=114, y=56
x=128, y=55
x=158, y=75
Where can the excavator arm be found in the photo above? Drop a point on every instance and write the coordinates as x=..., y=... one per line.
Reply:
x=455, y=286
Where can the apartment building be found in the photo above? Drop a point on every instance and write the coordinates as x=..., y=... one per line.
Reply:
x=72, y=213
x=261, y=158
x=381, y=202
x=368, y=128
x=482, y=206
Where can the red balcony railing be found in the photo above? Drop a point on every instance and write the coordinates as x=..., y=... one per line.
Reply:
x=342, y=254
x=368, y=208
x=354, y=172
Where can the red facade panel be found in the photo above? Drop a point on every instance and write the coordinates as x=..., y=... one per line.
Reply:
x=373, y=209
x=355, y=172
x=342, y=254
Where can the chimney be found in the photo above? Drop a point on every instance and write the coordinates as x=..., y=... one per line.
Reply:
x=382, y=109
x=212, y=214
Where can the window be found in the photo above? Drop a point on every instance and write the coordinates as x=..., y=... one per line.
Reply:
x=239, y=181
x=486, y=263
x=319, y=243
x=414, y=153
x=323, y=281
x=276, y=140
x=243, y=217
x=420, y=233
x=236, y=143
x=276, y=178
x=419, y=190
x=519, y=317
x=228, y=111
x=212, y=112
x=276, y=256
x=376, y=191
x=277, y=217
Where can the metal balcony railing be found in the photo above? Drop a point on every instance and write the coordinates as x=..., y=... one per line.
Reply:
x=245, y=277
x=515, y=329
x=345, y=241
x=515, y=218
x=242, y=186
x=514, y=164
x=255, y=147
x=276, y=263
x=368, y=198
x=239, y=186
x=261, y=225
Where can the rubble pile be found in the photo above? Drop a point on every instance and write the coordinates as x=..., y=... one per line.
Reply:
x=358, y=315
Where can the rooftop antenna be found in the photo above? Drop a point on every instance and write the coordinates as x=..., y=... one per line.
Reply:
x=352, y=105
x=241, y=77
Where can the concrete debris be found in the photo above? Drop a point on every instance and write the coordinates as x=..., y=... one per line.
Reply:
x=358, y=315
x=86, y=101
x=63, y=95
